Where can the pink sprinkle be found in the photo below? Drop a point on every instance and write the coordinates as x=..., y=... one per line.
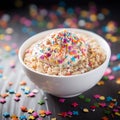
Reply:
x=115, y=110
x=111, y=77
x=48, y=54
x=48, y=112
x=74, y=104
x=14, y=45
x=17, y=99
x=62, y=100
x=102, y=104
x=108, y=71
x=97, y=96
x=70, y=113
x=2, y=101
x=113, y=58
x=31, y=94
x=35, y=114
x=69, y=47
x=8, y=37
x=42, y=57
x=27, y=22
x=60, y=61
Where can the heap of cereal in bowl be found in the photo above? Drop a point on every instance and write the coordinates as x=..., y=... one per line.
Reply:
x=65, y=52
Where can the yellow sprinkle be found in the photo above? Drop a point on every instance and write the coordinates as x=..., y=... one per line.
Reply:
x=53, y=119
x=119, y=92
x=85, y=110
x=118, y=81
x=2, y=36
x=31, y=118
x=84, y=13
x=108, y=35
x=93, y=17
x=100, y=83
x=117, y=113
x=114, y=39
x=7, y=48
x=102, y=98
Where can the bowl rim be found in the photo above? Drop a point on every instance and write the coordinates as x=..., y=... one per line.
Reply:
x=64, y=76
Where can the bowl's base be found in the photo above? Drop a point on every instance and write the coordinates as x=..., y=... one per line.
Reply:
x=68, y=96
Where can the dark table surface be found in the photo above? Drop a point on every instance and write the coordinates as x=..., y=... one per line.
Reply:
x=20, y=20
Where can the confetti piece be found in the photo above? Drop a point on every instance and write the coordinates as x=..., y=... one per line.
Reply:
x=48, y=112
x=6, y=115
x=35, y=114
x=107, y=112
x=35, y=91
x=118, y=81
x=23, y=109
x=101, y=83
x=31, y=117
x=31, y=94
x=87, y=100
x=23, y=82
x=18, y=94
x=17, y=99
x=41, y=102
x=30, y=111
x=108, y=71
x=23, y=117
x=102, y=97
x=81, y=96
x=75, y=113
x=102, y=104
x=53, y=118
x=14, y=117
x=105, y=118
x=62, y=100
x=74, y=104
x=11, y=91
x=109, y=98
x=9, y=30
x=4, y=95
x=85, y=110
x=2, y=100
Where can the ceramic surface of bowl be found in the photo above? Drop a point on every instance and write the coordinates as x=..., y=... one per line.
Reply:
x=65, y=86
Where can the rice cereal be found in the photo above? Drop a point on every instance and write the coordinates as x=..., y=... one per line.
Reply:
x=65, y=53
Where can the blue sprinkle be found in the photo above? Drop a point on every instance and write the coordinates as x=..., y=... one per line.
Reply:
x=73, y=59
x=13, y=52
x=11, y=91
x=1, y=75
x=116, y=68
x=70, y=11
x=23, y=117
x=104, y=29
x=1, y=67
x=6, y=115
x=109, y=98
x=34, y=22
x=118, y=56
x=75, y=113
x=26, y=91
x=24, y=29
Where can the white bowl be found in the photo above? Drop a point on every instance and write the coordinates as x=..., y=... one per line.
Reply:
x=65, y=86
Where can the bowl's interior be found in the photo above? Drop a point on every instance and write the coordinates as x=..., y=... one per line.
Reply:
x=41, y=35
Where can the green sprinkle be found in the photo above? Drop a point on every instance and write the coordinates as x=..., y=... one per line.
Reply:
x=107, y=112
x=81, y=96
x=41, y=102
x=105, y=78
x=96, y=104
x=87, y=100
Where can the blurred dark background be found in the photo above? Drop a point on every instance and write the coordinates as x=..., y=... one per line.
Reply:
x=11, y=4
